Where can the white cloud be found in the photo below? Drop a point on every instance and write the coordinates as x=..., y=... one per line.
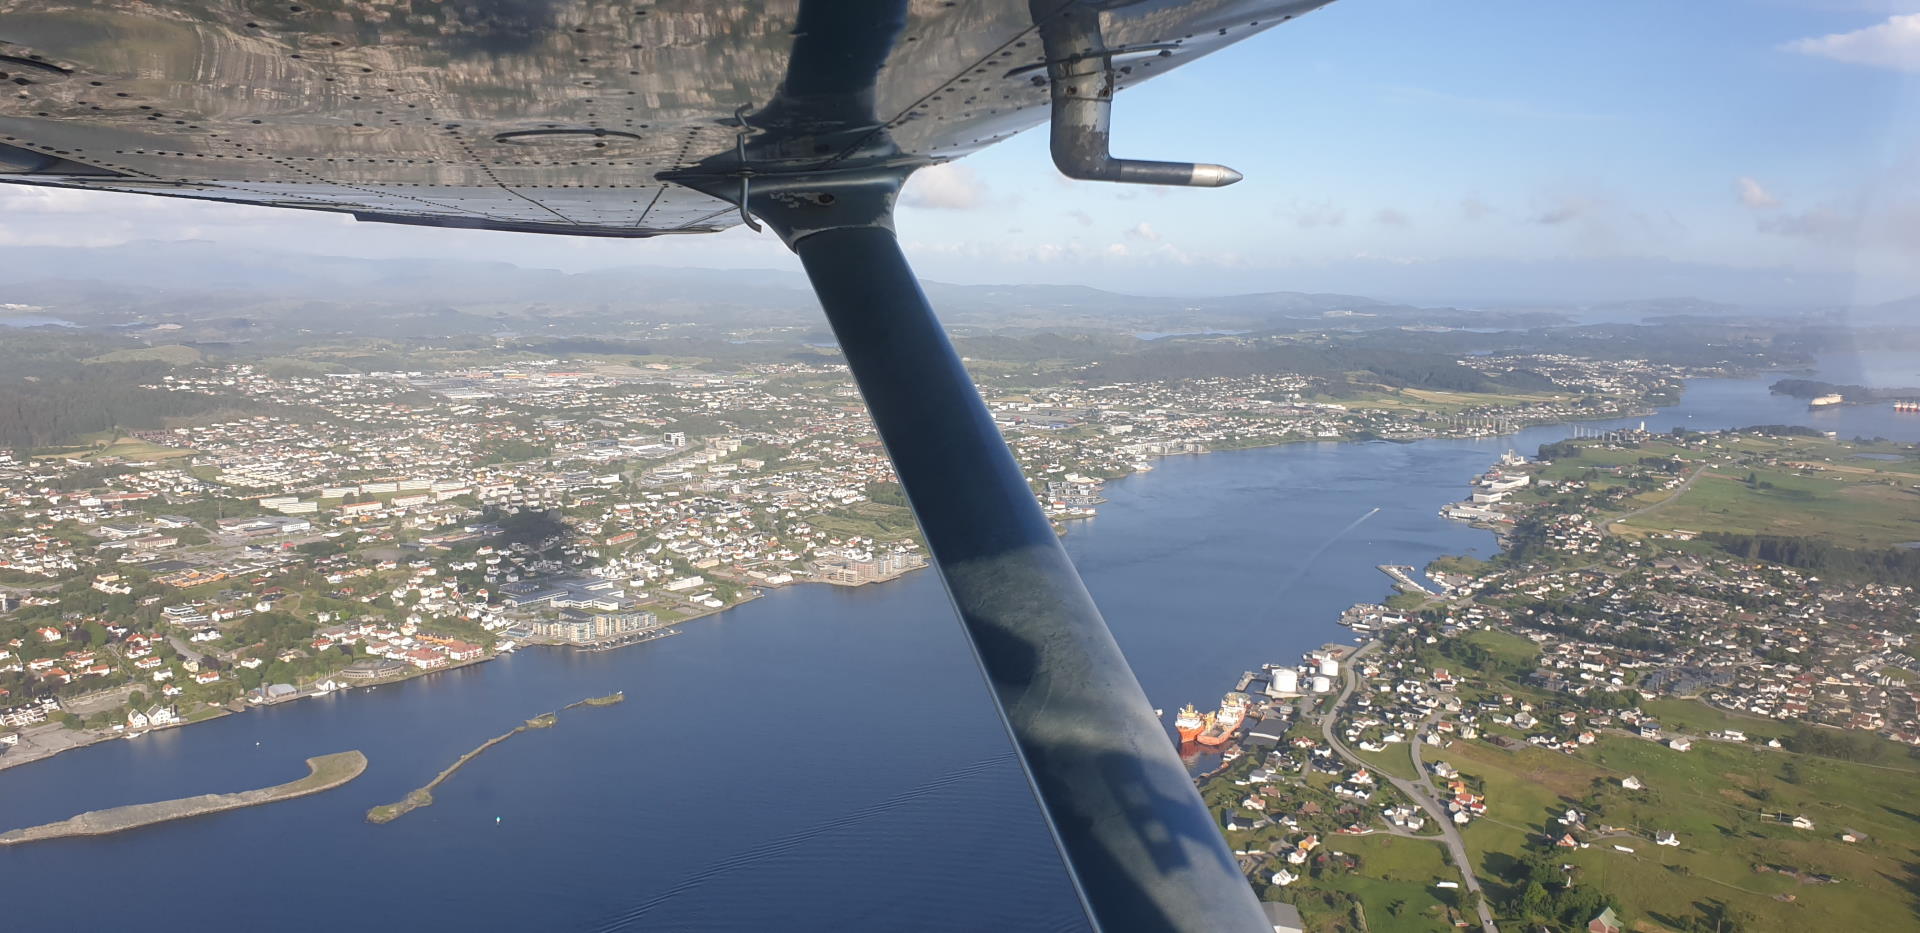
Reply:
x=1323, y=214
x=1144, y=231
x=1829, y=226
x=1085, y=219
x=1568, y=209
x=947, y=186
x=1755, y=195
x=1391, y=217
x=1893, y=44
x=1473, y=209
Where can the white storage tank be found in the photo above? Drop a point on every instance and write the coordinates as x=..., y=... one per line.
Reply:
x=1329, y=667
x=1322, y=684
x=1285, y=682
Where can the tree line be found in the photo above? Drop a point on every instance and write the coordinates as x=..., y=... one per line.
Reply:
x=1899, y=566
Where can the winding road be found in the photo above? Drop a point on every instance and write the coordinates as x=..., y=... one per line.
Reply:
x=1419, y=792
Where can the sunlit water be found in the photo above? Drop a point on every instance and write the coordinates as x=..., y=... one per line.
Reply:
x=821, y=759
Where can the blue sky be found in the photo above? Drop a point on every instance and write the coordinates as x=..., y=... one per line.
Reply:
x=1489, y=152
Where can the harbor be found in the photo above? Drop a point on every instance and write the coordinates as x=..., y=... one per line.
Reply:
x=1259, y=710
x=1403, y=580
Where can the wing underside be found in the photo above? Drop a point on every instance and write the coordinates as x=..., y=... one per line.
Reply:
x=559, y=116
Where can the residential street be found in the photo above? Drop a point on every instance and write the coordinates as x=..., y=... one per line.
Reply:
x=1421, y=792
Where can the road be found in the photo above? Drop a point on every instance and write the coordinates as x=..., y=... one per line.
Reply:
x=1606, y=527
x=1419, y=792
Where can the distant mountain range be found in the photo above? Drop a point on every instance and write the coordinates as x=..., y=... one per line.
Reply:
x=213, y=291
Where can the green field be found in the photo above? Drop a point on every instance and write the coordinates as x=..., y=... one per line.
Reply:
x=1512, y=649
x=1442, y=403
x=1799, y=486
x=1394, y=884
x=1864, y=509
x=94, y=446
x=1394, y=760
x=1719, y=799
x=173, y=354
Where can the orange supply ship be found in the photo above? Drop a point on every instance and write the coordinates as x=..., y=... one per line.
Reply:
x=1189, y=723
x=1233, y=711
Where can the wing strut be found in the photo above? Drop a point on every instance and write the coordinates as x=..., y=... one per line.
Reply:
x=1143, y=850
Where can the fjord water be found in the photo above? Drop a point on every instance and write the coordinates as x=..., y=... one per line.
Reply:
x=820, y=759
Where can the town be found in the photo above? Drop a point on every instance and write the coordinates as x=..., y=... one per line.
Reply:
x=1648, y=666
x=364, y=526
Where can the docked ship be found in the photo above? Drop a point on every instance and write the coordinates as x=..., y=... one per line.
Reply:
x=1907, y=407
x=1190, y=723
x=1826, y=400
x=1233, y=711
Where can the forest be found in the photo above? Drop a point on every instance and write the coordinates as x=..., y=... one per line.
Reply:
x=57, y=386
x=1892, y=566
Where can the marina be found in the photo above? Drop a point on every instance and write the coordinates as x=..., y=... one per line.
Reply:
x=1403, y=580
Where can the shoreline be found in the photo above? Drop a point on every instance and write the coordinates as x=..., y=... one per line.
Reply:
x=757, y=591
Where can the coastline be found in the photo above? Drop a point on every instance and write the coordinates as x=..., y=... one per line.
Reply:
x=16, y=758
x=756, y=591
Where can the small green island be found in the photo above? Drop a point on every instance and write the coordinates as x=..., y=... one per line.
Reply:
x=324, y=773
x=423, y=796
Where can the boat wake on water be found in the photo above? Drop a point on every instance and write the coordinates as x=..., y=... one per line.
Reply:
x=776, y=847
x=1299, y=573
x=1313, y=558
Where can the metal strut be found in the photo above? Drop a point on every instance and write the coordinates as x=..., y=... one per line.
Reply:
x=746, y=172
x=1143, y=850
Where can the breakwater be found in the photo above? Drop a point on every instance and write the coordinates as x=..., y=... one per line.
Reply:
x=323, y=773
x=423, y=796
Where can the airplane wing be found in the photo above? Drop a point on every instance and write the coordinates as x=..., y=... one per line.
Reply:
x=651, y=117
x=555, y=116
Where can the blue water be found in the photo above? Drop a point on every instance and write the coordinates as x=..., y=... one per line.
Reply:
x=33, y=320
x=821, y=759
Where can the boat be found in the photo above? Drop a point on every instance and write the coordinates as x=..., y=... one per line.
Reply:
x=1906, y=407
x=1189, y=723
x=1826, y=400
x=1233, y=712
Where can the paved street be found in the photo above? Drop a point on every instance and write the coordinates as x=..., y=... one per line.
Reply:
x=1420, y=792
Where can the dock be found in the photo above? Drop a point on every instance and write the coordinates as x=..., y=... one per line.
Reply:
x=1402, y=575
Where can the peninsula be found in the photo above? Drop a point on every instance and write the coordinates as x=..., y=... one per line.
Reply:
x=324, y=773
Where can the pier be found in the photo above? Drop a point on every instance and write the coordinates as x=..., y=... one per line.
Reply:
x=423, y=796
x=1403, y=579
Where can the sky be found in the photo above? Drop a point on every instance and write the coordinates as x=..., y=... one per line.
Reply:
x=1491, y=153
